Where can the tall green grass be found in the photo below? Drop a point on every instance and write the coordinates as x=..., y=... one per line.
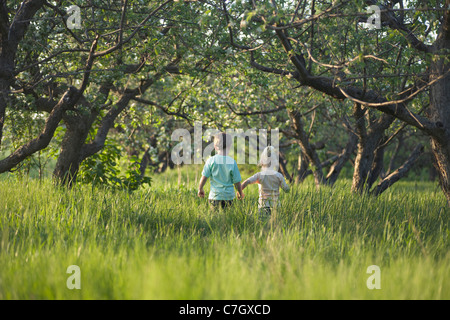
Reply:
x=163, y=242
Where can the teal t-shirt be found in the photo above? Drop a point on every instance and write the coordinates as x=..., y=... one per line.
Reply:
x=224, y=173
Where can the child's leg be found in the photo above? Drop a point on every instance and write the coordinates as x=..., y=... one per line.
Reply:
x=220, y=204
x=264, y=212
x=213, y=204
x=226, y=203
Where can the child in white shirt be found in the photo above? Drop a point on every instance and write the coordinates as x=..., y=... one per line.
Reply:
x=269, y=180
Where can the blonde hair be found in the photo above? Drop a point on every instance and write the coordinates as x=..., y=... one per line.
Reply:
x=269, y=158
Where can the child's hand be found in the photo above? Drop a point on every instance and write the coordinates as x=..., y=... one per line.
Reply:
x=240, y=195
x=201, y=193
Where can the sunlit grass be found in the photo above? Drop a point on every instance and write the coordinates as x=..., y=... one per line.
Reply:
x=163, y=242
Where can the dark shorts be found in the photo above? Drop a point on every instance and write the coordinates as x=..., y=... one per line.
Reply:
x=217, y=204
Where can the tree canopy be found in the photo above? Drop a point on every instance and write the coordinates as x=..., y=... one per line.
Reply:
x=122, y=75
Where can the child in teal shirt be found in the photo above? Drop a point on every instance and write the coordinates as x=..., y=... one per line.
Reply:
x=224, y=174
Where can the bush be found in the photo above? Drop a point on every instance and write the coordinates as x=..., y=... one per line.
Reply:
x=103, y=169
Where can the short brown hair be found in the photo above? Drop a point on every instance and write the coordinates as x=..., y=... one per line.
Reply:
x=222, y=140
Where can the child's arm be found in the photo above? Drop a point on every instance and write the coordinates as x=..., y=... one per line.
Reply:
x=201, y=192
x=239, y=189
x=284, y=185
x=245, y=184
x=253, y=179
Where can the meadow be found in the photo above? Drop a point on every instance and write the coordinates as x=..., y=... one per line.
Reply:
x=163, y=242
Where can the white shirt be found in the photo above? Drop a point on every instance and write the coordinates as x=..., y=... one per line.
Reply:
x=269, y=182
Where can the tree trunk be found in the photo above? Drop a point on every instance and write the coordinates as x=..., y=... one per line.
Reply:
x=364, y=155
x=338, y=165
x=306, y=147
x=302, y=168
x=69, y=159
x=77, y=130
x=440, y=107
x=363, y=162
x=40, y=142
x=144, y=162
x=368, y=141
x=283, y=168
x=395, y=153
x=432, y=173
x=377, y=165
x=399, y=173
x=440, y=146
x=4, y=87
x=441, y=153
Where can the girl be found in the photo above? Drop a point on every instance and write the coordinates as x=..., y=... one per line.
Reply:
x=269, y=180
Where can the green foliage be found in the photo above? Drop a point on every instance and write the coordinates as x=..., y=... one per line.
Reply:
x=211, y=74
x=103, y=169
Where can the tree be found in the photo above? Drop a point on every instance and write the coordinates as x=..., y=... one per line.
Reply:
x=13, y=32
x=122, y=50
x=327, y=47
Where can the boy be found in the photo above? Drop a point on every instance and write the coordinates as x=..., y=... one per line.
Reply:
x=223, y=172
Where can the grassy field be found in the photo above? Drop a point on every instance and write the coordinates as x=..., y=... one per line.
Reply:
x=163, y=242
